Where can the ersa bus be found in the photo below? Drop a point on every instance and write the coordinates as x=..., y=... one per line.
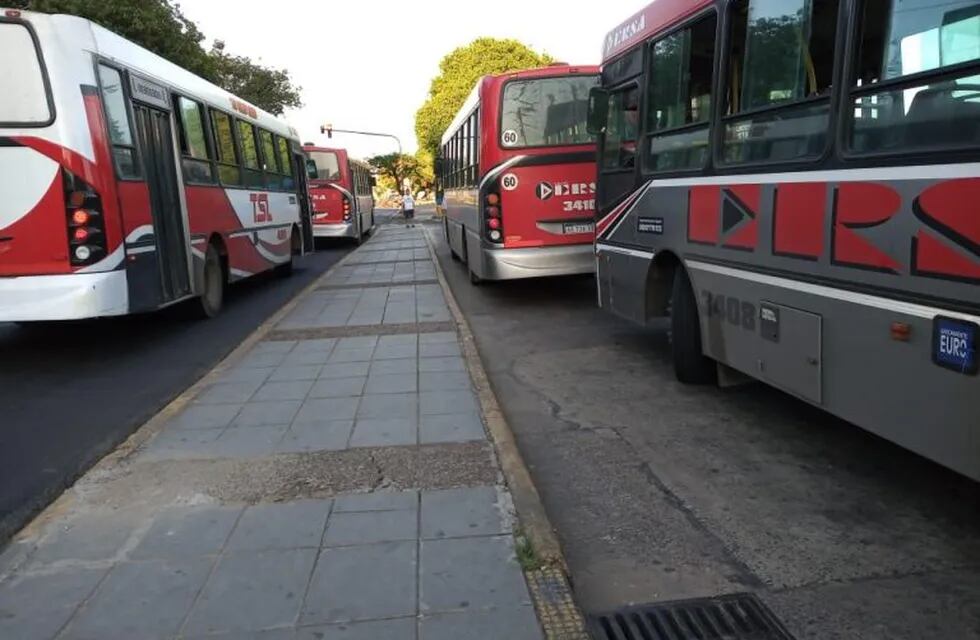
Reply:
x=127, y=183
x=795, y=183
x=517, y=168
x=341, y=189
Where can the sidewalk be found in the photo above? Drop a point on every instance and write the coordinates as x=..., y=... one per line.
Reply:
x=335, y=482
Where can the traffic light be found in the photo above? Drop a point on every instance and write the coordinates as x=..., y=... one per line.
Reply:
x=327, y=129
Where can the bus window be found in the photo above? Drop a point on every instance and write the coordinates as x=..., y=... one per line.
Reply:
x=546, y=112
x=619, y=143
x=193, y=142
x=325, y=165
x=120, y=134
x=224, y=143
x=250, y=155
x=782, y=54
x=898, y=39
x=285, y=165
x=26, y=100
x=270, y=161
x=679, y=106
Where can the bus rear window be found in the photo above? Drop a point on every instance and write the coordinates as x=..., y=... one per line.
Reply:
x=323, y=165
x=547, y=112
x=24, y=99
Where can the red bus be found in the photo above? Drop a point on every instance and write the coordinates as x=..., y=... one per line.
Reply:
x=342, y=192
x=517, y=168
x=129, y=184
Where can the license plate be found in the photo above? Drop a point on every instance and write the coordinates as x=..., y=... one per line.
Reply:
x=577, y=227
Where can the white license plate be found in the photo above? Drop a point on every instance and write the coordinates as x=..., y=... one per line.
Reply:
x=577, y=227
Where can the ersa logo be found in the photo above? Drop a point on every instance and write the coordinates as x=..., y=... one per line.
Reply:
x=546, y=190
x=625, y=32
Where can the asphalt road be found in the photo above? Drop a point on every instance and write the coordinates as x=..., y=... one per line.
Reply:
x=661, y=491
x=69, y=393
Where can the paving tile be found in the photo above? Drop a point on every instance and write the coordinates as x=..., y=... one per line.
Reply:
x=246, y=374
x=392, y=383
x=287, y=633
x=511, y=623
x=389, y=405
x=451, y=427
x=321, y=410
x=254, y=360
x=259, y=414
x=248, y=442
x=433, y=403
x=377, y=501
x=380, y=367
x=290, y=525
x=350, y=355
x=186, y=532
x=470, y=573
x=338, y=387
x=444, y=381
x=370, y=527
x=216, y=416
x=316, y=436
x=395, y=352
x=357, y=342
x=453, y=513
x=293, y=390
x=396, y=629
x=439, y=350
x=441, y=364
x=91, y=536
x=146, y=600
x=384, y=432
x=438, y=337
x=344, y=370
x=180, y=443
x=227, y=393
x=359, y=583
x=35, y=607
x=305, y=359
x=253, y=591
x=274, y=346
x=297, y=372
x=399, y=340
x=319, y=344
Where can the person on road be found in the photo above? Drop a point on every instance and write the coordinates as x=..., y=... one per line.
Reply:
x=408, y=208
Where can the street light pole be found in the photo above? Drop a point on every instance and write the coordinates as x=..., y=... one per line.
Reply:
x=329, y=130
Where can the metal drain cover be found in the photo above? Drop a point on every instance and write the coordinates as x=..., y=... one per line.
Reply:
x=740, y=616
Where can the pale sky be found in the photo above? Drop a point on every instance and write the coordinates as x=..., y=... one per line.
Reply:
x=367, y=65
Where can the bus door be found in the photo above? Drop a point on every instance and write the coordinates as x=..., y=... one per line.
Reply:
x=305, y=204
x=155, y=138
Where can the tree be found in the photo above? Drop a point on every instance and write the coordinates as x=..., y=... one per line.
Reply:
x=161, y=27
x=394, y=168
x=458, y=73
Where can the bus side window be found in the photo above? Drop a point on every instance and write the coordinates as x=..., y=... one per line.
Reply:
x=619, y=143
x=288, y=182
x=229, y=171
x=250, y=155
x=270, y=160
x=195, y=155
x=120, y=134
x=780, y=66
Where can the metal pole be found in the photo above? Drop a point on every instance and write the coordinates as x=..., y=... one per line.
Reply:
x=323, y=129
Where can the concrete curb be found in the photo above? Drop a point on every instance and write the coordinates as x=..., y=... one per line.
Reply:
x=547, y=582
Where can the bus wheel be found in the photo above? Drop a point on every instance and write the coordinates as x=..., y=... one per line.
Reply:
x=691, y=366
x=285, y=269
x=475, y=280
x=213, y=296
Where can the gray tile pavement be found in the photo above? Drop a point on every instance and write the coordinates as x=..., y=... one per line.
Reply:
x=397, y=304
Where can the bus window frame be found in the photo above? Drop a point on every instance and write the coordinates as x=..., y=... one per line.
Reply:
x=500, y=111
x=46, y=79
x=176, y=97
x=712, y=123
x=130, y=117
x=600, y=142
x=238, y=152
x=852, y=92
x=720, y=118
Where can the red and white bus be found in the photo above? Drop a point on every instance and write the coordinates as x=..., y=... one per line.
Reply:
x=127, y=183
x=341, y=189
x=517, y=168
x=796, y=185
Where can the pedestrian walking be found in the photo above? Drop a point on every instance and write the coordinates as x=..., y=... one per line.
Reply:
x=408, y=209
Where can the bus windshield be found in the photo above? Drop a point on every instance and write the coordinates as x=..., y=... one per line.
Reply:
x=546, y=112
x=322, y=165
x=25, y=98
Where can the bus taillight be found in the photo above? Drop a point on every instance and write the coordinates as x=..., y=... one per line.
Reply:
x=495, y=223
x=86, y=228
x=346, y=209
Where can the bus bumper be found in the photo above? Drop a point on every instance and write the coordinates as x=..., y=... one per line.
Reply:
x=64, y=297
x=535, y=262
x=334, y=230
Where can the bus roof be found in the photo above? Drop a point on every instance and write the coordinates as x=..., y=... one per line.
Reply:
x=87, y=35
x=654, y=18
x=474, y=97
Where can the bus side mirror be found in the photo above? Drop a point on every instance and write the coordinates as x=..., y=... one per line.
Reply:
x=598, y=115
x=374, y=181
x=311, y=169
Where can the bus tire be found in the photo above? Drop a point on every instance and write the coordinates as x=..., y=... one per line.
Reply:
x=691, y=366
x=212, y=298
x=286, y=269
x=475, y=280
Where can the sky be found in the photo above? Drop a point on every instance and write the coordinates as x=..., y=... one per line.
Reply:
x=367, y=65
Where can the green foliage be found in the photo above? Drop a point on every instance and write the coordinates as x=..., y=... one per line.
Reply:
x=458, y=73
x=159, y=26
x=393, y=168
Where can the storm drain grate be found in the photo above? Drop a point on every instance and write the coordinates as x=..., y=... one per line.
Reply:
x=739, y=616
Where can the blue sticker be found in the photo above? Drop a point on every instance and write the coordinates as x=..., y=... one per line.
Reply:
x=954, y=344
